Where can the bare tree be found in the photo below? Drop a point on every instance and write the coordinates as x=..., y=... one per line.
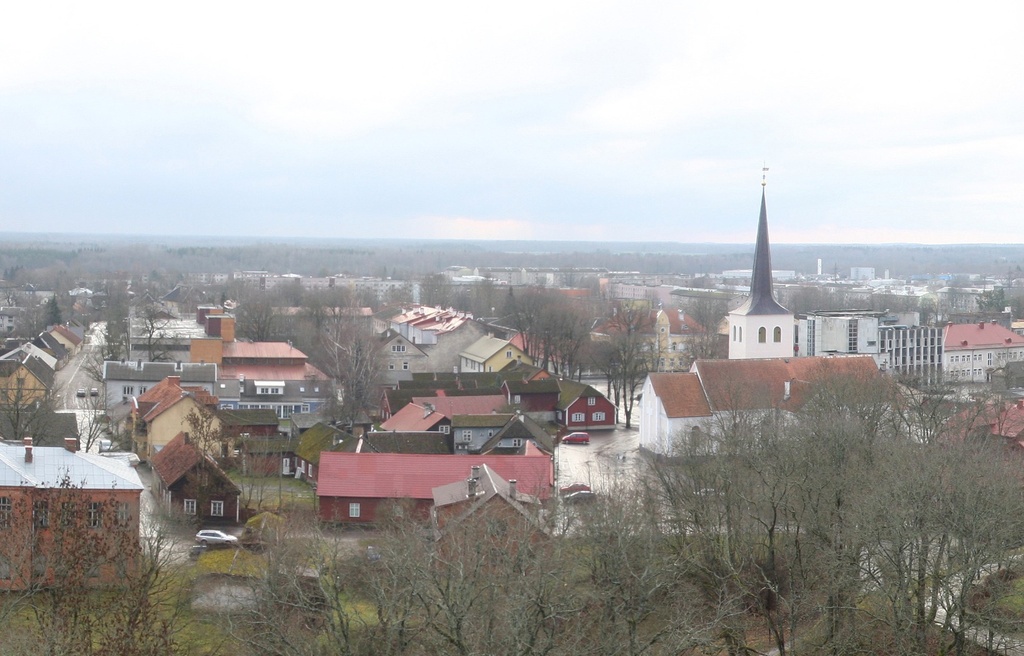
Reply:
x=708, y=313
x=352, y=357
x=148, y=334
x=626, y=356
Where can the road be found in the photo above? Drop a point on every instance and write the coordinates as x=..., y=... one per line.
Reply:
x=74, y=376
x=611, y=456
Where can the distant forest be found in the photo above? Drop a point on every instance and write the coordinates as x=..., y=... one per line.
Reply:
x=167, y=257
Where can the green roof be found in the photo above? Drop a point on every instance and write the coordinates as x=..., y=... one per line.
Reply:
x=571, y=390
x=481, y=421
x=318, y=438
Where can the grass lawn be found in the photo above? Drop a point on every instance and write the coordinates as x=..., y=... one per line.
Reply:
x=280, y=494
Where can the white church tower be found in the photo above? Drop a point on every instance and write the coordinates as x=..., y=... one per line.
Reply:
x=761, y=328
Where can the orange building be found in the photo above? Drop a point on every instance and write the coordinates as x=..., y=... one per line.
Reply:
x=65, y=516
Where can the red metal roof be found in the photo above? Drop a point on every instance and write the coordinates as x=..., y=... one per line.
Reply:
x=966, y=336
x=413, y=417
x=261, y=350
x=414, y=476
x=272, y=372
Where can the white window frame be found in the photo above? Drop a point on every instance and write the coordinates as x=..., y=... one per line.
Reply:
x=355, y=510
x=598, y=416
x=578, y=417
x=444, y=428
x=592, y=400
x=95, y=514
x=216, y=509
x=190, y=506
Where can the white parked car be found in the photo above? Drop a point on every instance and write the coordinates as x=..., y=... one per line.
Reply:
x=207, y=536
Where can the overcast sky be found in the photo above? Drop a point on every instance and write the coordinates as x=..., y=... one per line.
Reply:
x=878, y=121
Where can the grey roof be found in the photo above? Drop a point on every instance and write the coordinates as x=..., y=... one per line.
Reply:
x=523, y=427
x=46, y=341
x=762, y=295
x=198, y=372
x=305, y=419
x=40, y=370
x=295, y=391
x=53, y=464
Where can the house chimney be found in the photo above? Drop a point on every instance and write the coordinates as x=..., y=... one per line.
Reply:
x=1020, y=404
x=71, y=444
x=512, y=488
x=471, y=487
x=187, y=439
x=475, y=469
x=28, y=449
x=428, y=409
x=981, y=324
x=787, y=390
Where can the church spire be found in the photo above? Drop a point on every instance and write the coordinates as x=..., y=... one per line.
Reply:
x=762, y=294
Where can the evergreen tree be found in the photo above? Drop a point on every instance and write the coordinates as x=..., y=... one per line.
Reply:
x=53, y=316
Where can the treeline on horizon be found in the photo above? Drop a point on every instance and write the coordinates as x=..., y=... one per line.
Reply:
x=169, y=258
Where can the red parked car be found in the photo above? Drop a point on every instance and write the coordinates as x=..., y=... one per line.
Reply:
x=578, y=437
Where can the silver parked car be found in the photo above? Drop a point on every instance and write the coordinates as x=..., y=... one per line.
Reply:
x=207, y=536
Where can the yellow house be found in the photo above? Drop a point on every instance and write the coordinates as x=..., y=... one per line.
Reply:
x=491, y=354
x=163, y=412
x=24, y=381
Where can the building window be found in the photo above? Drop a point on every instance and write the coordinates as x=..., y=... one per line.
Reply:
x=5, y=512
x=127, y=390
x=467, y=435
x=95, y=514
x=444, y=428
x=591, y=400
x=398, y=348
x=517, y=442
x=391, y=366
x=405, y=366
x=762, y=335
x=508, y=355
x=517, y=399
x=124, y=513
x=217, y=508
x=41, y=514
x=578, y=417
x=777, y=335
x=5, y=569
x=190, y=506
x=354, y=510
x=598, y=416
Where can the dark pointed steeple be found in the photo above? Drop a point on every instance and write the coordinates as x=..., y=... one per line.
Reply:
x=762, y=294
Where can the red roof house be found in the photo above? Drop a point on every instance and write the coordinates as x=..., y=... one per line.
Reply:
x=352, y=487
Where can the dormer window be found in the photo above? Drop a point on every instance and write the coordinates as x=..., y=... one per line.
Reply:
x=270, y=387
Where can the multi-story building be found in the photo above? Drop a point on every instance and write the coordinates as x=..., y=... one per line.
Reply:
x=65, y=515
x=895, y=340
x=973, y=351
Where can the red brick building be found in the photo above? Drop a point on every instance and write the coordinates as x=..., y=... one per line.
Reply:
x=65, y=516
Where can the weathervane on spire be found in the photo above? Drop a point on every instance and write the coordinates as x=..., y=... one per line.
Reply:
x=764, y=176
